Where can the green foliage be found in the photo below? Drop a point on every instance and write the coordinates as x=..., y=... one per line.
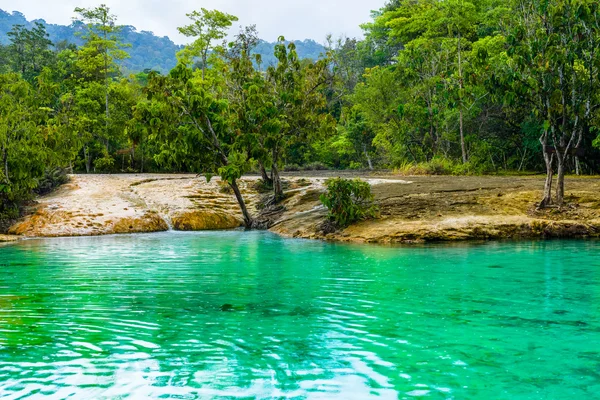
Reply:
x=207, y=27
x=29, y=50
x=292, y=168
x=315, y=166
x=348, y=201
x=23, y=152
x=441, y=166
x=104, y=164
x=52, y=178
x=299, y=108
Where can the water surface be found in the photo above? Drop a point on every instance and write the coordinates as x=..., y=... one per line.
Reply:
x=252, y=315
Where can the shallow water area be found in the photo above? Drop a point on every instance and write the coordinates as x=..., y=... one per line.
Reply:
x=253, y=315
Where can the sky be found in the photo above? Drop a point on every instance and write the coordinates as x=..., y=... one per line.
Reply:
x=294, y=19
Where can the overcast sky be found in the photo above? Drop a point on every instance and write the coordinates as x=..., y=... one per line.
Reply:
x=295, y=19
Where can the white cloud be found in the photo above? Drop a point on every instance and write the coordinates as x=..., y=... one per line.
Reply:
x=295, y=19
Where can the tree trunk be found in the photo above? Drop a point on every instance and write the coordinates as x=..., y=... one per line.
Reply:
x=106, y=93
x=88, y=159
x=6, y=177
x=548, y=159
x=560, y=180
x=463, y=147
x=277, y=188
x=577, y=166
x=265, y=177
x=523, y=160
x=238, y=195
x=368, y=157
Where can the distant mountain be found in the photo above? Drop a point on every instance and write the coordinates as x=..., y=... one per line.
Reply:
x=147, y=50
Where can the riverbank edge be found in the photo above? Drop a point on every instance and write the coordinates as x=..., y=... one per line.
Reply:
x=534, y=229
x=419, y=210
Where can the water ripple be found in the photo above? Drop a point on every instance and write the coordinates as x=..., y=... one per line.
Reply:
x=250, y=315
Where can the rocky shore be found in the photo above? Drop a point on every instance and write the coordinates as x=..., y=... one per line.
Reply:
x=412, y=209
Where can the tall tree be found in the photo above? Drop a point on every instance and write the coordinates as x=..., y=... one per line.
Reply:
x=29, y=50
x=102, y=48
x=555, y=66
x=460, y=19
x=300, y=105
x=207, y=27
x=191, y=120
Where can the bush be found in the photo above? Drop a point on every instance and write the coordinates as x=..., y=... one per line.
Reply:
x=225, y=188
x=52, y=179
x=104, y=164
x=315, y=166
x=262, y=187
x=291, y=168
x=348, y=201
x=437, y=166
x=440, y=166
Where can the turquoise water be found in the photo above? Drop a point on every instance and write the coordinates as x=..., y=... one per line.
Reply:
x=252, y=315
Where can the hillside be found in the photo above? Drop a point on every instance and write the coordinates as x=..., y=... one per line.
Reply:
x=147, y=50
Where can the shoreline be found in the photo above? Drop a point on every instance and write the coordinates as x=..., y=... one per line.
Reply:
x=419, y=209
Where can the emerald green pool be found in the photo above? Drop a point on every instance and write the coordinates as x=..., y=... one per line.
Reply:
x=252, y=315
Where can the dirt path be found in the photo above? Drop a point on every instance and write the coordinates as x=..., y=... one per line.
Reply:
x=411, y=208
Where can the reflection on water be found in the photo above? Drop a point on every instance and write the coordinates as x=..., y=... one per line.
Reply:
x=251, y=315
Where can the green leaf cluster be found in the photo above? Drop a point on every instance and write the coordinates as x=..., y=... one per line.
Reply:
x=348, y=201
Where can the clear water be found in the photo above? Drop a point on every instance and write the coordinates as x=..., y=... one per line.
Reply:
x=251, y=315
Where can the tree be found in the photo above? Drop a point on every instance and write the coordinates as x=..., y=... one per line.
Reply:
x=102, y=48
x=300, y=105
x=29, y=50
x=23, y=147
x=378, y=101
x=190, y=119
x=460, y=20
x=555, y=65
x=254, y=115
x=207, y=27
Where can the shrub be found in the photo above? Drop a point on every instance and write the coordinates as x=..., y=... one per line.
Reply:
x=348, y=201
x=104, y=164
x=315, y=166
x=355, y=165
x=262, y=187
x=52, y=179
x=440, y=166
x=225, y=188
x=291, y=168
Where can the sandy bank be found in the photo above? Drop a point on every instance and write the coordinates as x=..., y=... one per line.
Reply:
x=413, y=209
x=446, y=208
x=109, y=204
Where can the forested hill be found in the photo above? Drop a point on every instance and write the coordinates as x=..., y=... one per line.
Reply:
x=147, y=50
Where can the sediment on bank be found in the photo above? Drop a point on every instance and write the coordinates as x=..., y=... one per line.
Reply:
x=412, y=209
